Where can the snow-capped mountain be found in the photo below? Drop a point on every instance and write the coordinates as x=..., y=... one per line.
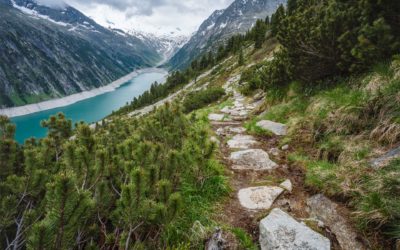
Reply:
x=49, y=52
x=239, y=17
x=166, y=45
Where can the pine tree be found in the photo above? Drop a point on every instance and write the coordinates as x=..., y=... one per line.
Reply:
x=241, y=58
x=66, y=213
x=291, y=6
x=259, y=33
x=276, y=19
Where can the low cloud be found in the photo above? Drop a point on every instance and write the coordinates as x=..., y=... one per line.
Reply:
x=155, y=16
x=52, y=3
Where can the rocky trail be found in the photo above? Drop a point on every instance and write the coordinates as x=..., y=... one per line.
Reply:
x=269, y=198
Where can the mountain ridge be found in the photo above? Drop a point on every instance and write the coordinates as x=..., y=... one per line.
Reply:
x=58, y=52
x=237, y=18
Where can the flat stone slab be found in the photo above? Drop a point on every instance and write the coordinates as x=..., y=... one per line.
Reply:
x=256, y=198
x=242, y=142
x=216, y=117
x=279, y=231
x=325, y=210
x=230, y=130
x=385, y=159
x=254, y=159
x=274, y=127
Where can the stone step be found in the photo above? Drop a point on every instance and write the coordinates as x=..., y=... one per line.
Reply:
x=279, y=231
x=274, y=127
x=216, y=117
x=226, y=123
x=229, y=130
x=242, y=142
x=256, y=198
x=252, y=159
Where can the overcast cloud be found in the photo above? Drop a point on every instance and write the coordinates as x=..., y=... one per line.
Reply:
x=155, y=16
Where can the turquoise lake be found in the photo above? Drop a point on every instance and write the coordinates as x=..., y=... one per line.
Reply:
x=90, y=110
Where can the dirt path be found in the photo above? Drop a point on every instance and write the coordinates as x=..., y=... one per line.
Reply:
x=257, y=166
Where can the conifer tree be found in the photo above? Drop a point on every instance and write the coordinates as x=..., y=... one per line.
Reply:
x=241, y=58
x=67, y=210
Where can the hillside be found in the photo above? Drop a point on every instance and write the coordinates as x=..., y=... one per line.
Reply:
x=48, y=53
x=265, y=146
x=238, y=18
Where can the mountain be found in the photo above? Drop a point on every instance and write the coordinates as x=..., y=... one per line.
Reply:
x=239, y=17
x=166, y=45
x=49, y=52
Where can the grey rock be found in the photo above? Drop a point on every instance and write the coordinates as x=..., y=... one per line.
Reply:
x=216, y=242
x=216, y=117
x=242, y=142
x=287, y=185
x=254, y=159
x=256, y=198
x=385, y=159
x=228, y=130
x=274, y=127
x=279, y=231
x=274, y=151
x=285, y=147
x=325, y=210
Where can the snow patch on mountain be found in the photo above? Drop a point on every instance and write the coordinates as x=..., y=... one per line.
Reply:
x=166, y=45
x=35, y=14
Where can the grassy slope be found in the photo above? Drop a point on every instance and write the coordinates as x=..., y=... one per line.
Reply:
x=336, y=128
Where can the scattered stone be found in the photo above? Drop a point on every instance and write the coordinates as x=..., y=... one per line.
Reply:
x=279, y=231
x=274, y=151
x=287, y=185
x=216, y=117
x=242, y=142
x=242, y=113
x=226, y=110
x=325, y=210
x=256, y=198
x=254, y=159
x=385, y=159
x=274, y=127
x=259, y=96
x=216, y=242
x=285, y=147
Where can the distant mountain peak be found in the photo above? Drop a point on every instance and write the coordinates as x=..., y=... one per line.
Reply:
x=239, y=17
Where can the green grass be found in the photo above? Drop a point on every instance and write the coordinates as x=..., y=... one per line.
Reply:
x=244, y=238
x=379, y=202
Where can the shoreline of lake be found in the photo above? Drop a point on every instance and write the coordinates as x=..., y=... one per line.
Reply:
x=74, y=98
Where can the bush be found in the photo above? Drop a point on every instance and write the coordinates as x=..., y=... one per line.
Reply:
x=200, y=99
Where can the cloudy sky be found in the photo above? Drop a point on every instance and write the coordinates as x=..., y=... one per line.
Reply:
x=155, y=16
